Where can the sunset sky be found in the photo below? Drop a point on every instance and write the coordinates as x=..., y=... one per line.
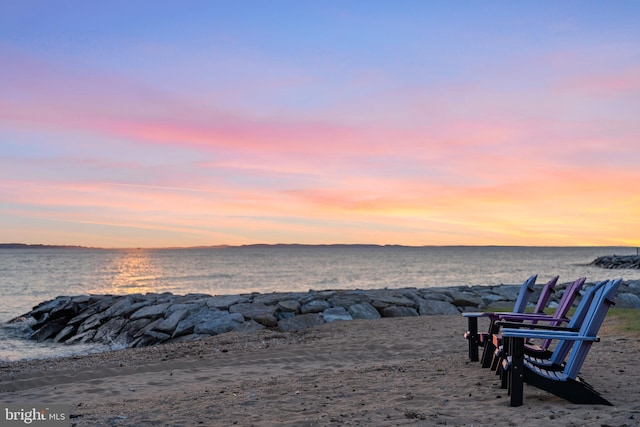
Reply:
x=170, y=123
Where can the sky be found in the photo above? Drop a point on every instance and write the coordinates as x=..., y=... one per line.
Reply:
x=165, y=123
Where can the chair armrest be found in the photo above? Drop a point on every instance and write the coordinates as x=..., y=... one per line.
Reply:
x=517, y=325
x=477, y=314
x=539, y=317
x=544, y=334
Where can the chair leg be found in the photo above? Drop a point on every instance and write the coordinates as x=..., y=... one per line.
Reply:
x=473, y=339
x=497, y=357
x=504, y=367
x=516, y=377
x=489, y=348
x=504, y=377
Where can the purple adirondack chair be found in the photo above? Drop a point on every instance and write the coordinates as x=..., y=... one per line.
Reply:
x=558, y=317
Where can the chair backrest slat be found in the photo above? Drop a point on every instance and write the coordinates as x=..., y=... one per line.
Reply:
x=564, y=305
x=596, y=315
x=564, y=346
x=525, y=292
x=570, y=294
x=545, y=295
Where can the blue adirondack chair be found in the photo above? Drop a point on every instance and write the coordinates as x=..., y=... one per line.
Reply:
x=536, y=354
x=564, y=383
x=542, y=356
x=558, y=317
x=472, y=334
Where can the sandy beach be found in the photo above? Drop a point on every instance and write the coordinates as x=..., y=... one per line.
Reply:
x=392, y=371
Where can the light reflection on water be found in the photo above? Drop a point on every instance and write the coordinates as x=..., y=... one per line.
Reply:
x=135, y=272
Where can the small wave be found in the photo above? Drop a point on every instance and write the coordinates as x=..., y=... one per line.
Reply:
x=19, y=328
x=15, y=345
x=15, y=349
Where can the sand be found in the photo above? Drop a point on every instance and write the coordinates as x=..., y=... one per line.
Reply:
x=394, y=371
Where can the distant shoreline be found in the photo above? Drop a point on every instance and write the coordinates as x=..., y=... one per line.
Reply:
x=40, y=246
x=283, y=245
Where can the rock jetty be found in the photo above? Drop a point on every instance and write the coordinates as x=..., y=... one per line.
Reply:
x=138, y=320
x=617, y=261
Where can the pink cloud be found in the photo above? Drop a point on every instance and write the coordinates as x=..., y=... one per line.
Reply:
x=619, y=82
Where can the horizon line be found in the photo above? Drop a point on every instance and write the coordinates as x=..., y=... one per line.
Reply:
x=224, y=246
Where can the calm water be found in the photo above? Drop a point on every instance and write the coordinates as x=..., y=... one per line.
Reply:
x=30, y=276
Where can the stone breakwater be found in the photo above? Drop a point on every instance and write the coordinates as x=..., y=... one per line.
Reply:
x=617, y=261
x=139, y=320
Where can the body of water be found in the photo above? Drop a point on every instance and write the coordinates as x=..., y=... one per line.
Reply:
x=32, y=275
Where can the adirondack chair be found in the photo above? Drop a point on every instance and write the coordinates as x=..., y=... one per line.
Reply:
x=558, y=317
x=472, y=335
x=566, y=383
x=535, y=354
x=541, y=351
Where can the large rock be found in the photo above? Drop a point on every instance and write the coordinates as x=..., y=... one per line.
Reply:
x=153, y=311
x=284, y=315
x=435, y=295
x=249, y=326
x=465, y=299
x=91, y=322
x=508, y=292
x=275, y=297
x=261, y=313
x=399, y=311
x=169, y=324
x=190, y=307
x=150, y=338
x=81, y=338
x=65, y=334
x=125, y=306
x=88, y=312
x=218, y=322
x=132, y=330
x=300, y=322
x=48, y=306
x=60, y=310
x=348, y=298
x=382, y=299
x=223, y=302
x=363, y=310
x=64, y=311
x=434, y=307
x=289, y=305
x=187, y=325
x=110, y=330
x=315, y=306
x=49, y=330
x=491, y=298
x=336, y=313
